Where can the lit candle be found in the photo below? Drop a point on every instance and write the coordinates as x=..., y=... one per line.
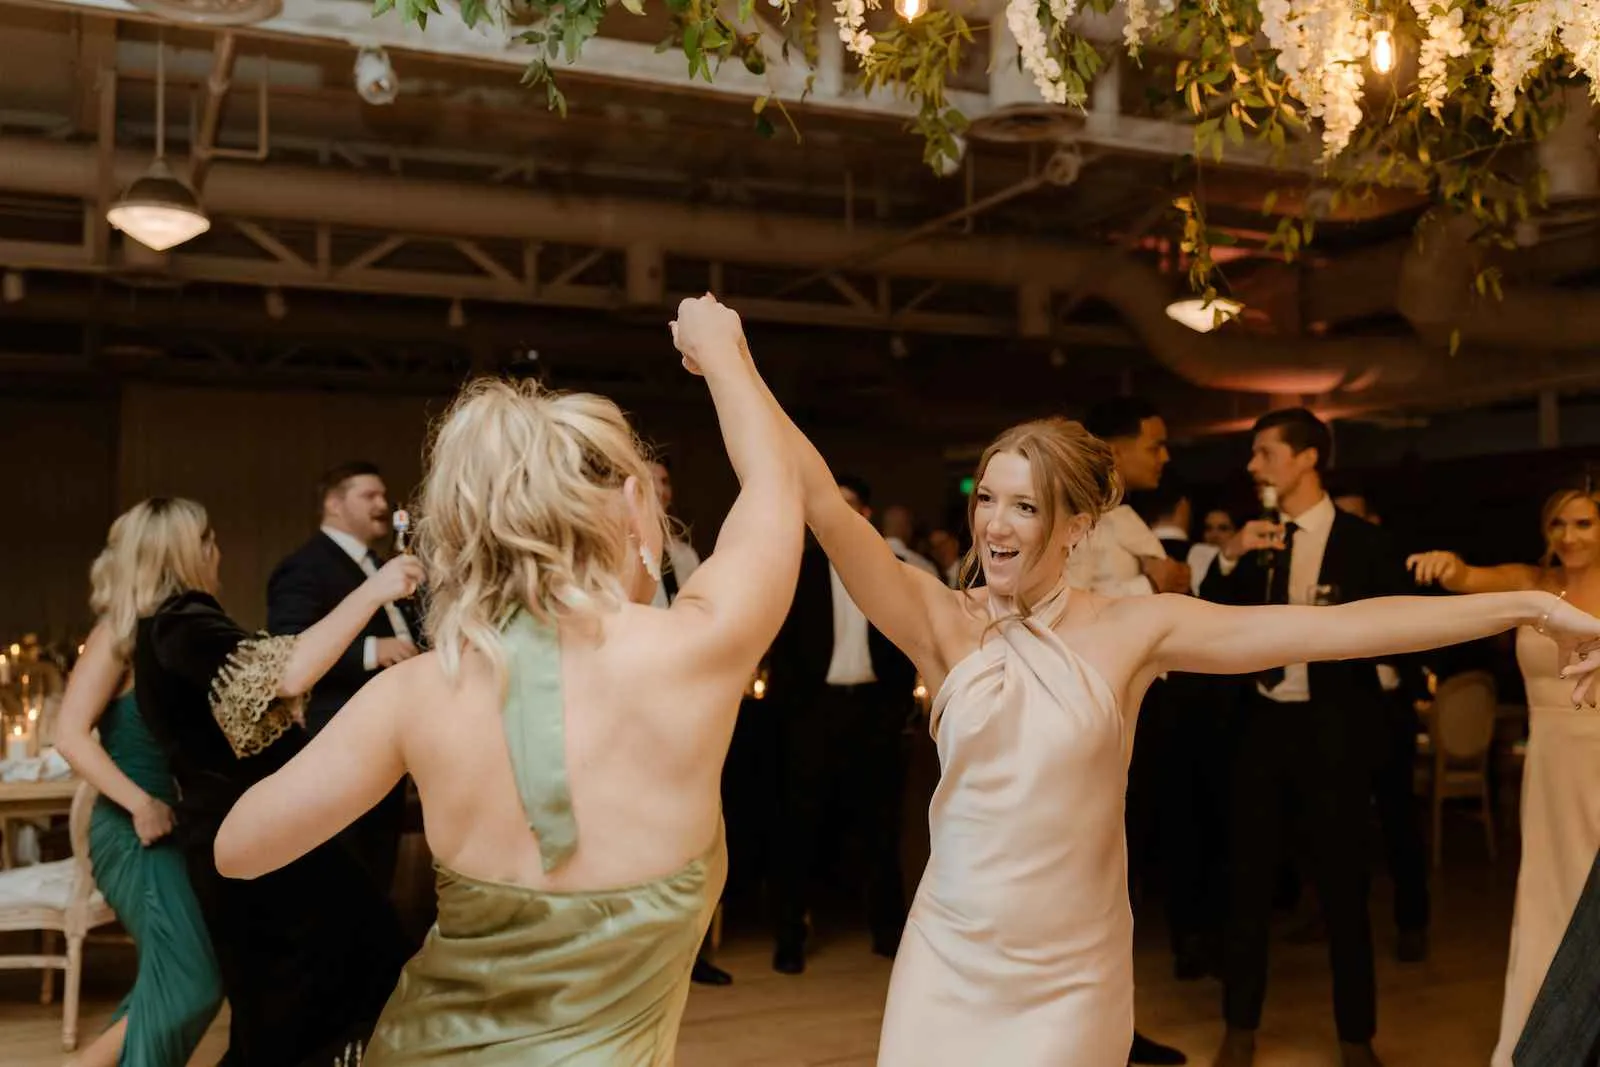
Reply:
x=17, y=744
x=5, y=669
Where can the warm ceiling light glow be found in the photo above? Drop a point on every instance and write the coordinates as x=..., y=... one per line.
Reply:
x=910, y=9
x=1383, y=51
x=1200, y=316
x=158, y=210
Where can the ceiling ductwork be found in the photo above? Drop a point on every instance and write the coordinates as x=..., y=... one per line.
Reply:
x=1249, y=363
x=1432, y=288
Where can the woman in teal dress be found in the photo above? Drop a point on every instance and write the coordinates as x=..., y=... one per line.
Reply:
x=565, y=735
x=137, y=867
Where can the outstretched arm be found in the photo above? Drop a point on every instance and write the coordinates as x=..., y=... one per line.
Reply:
x=734, y=602
x=896, y=597
x=346, y=769
x=1451, y=573
x=1212, y=639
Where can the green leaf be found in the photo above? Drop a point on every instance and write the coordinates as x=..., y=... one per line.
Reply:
x=1269, y=201
x=760, y=104
x=634, y=7
x=1235, y=131
x=764, y=127
x=382, y=7
x=1455, y=340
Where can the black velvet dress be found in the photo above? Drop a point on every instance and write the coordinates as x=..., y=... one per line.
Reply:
x=309, y=953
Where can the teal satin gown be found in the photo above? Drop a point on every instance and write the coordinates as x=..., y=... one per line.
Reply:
x=516, y=976
x=177, y=990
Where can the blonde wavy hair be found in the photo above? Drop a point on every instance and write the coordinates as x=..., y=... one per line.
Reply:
x=156, y=549
x=1553, y=506
x=522, y=508
x=1074, y=473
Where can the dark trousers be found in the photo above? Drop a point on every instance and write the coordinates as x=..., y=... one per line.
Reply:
x=841, y=773
x=1563, y=1027
x=1400, y=814
x=374, y=838
x=1194, y=792
x=309, y=954
x=1314, y=759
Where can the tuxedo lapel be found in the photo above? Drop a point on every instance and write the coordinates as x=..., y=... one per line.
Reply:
x=341, y=562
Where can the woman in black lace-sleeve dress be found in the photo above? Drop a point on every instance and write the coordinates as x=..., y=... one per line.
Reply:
x=310, y=953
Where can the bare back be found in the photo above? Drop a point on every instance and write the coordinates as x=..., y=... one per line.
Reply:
x=646, y=728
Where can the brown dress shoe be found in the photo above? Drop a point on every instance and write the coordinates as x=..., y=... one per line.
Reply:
x=1238, y=1049
x=1358, y=1054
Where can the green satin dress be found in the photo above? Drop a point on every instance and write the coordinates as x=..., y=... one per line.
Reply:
x=178, y=989
x=516, y=976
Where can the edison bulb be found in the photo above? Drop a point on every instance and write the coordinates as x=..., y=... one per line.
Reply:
x=910, y=9
x=1383, y=51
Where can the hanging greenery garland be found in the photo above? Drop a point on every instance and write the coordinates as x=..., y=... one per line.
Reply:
x=1488, y=75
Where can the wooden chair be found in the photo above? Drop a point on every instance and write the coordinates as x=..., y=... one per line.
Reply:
x=57, y=898
x=1461, y=731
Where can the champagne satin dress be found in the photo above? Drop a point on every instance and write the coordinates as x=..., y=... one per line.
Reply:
x=516, y=976
x=1019, y=948
x=1560, y=828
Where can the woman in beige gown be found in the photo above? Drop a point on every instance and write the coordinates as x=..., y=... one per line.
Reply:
x=1561, y=776
x=1019, y=947
x=566, y=737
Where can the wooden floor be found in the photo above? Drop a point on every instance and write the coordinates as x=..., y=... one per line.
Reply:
x=1445, y=1011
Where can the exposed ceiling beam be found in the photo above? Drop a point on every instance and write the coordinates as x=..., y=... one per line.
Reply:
x=351, y=23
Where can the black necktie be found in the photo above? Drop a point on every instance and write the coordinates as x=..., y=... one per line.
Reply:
x=1278, y=593
x=669, y=581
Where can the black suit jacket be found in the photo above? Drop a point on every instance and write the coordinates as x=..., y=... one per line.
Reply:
x=1362, y=563
x=304, y=589
x=797, y=666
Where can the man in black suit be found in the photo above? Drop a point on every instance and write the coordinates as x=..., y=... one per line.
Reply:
x=842, y=695
x=308, y=585
x=1310, y=736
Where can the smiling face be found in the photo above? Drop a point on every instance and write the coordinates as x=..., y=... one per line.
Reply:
x=1572, y=530
x=1020, y=546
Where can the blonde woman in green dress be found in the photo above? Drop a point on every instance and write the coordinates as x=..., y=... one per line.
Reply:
x=557, y=700
x=138, y=867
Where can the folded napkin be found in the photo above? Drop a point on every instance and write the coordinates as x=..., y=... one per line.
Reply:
x=48, y=767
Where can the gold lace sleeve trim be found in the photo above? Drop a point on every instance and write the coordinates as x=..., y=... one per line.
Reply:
x=244, y=695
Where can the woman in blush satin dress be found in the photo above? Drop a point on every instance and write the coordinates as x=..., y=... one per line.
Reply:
x=1561, y=781
x=1019, y=947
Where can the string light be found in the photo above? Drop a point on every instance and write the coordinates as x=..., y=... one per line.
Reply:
x=1383, y=51
x=910, y=9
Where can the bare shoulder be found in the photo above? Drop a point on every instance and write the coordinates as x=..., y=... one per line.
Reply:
x=417, y=682
x=1124, y=613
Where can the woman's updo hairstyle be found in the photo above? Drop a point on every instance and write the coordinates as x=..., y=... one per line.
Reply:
x=1074, y=473
x=522, y=509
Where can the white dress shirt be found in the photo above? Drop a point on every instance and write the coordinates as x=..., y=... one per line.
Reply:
x=684, y=561
x=852, y=657
x=1312, y=528
x=916, y=559
x=1108, y=559
x=358, y=551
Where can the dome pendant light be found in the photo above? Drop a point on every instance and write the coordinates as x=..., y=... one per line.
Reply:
x=158, y=210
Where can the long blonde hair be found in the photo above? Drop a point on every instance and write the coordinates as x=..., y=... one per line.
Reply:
x=155, y=549
x=522, y=507
x=1074, y=473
